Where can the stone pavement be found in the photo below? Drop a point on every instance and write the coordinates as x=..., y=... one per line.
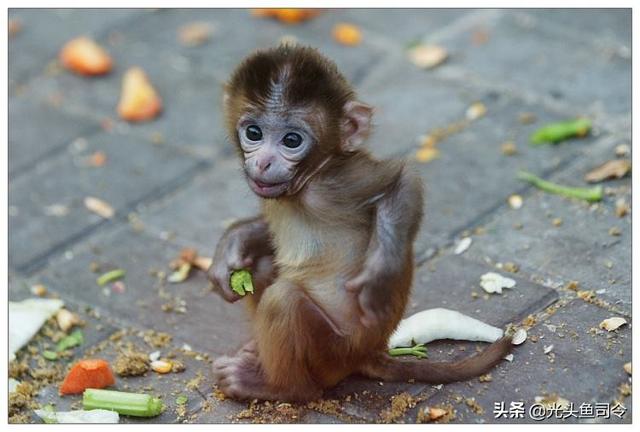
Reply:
x=174, y=183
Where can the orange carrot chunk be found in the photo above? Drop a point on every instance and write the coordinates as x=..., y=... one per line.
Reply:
x=89, y=373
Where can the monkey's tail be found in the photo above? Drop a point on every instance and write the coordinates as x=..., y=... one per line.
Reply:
x=388, y=368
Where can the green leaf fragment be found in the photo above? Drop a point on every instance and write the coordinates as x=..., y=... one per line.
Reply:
x=182, y=399
x=592, y=194
x=110, y=276
x=74, y=339
x=418, y=350
x=133, y=404
x=241, y=282
x=555, y=132
x=50, y=355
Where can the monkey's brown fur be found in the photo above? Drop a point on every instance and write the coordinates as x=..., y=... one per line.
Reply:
x=349, y=217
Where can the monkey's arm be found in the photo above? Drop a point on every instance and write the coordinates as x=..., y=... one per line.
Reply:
x=397, y=218
x=245, y=244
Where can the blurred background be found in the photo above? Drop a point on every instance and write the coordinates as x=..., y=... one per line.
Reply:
x=458, y=92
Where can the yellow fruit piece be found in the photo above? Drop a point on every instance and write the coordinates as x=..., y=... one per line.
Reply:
x=139, y=100
x=347, y=34
x=85, y=57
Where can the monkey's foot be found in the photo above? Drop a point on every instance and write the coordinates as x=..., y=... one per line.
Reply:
x=240, y=376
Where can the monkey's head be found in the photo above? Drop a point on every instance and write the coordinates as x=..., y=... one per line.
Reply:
x=290, y=112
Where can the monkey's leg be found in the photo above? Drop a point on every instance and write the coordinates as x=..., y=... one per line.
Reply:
x=298, y=350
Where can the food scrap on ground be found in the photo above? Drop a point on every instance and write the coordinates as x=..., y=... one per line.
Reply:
x=288, y=16
x=463, y=245
x=347, y=34
x=519, y=337
x=611, y=324
x=67, y=319
x=139, y=101
x=187, y=260
x=99, y=207
x=110, y=276
x=79, y=416
x=195, y=33
x=493, y=282
x=88, y=373
x=432, y=414
x=26, y=318
x=588, y=194
x=509, y=148
x=613, y=169
x=427, y=56
x=85, y=57
x=418, y=350
x=556, y=132
x=14, y=27
x=515, y=201
x=434, y=324
x=133, y=404
x=131, y=363
x=74, y=339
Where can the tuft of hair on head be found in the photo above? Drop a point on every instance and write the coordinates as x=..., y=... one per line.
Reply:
x=288, y=76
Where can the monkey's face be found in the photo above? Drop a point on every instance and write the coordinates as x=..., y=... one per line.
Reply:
x=274, y=145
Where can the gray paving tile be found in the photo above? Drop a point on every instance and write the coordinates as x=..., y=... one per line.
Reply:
x=199, y=213
x=449, y=282
x=518, y=53
x=604, y=25
x=37, y=130
x=472, y=176
x=135, y=170
x=584, y=366
x=580, y=249
x=208, y=323
x=44, y=31
x=167, y=387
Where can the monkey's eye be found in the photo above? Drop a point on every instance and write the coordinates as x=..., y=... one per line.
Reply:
x=253, y=133
x=292, y=140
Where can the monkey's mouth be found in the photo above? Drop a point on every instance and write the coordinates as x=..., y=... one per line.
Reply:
x=267, y=190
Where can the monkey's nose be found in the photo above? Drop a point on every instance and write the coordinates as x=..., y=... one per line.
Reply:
x=264, y=166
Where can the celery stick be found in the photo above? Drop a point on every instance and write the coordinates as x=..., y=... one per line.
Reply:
x=110, y=276
x=133, y=404
x=418, y=350
x=588, y=194
x=556, y=132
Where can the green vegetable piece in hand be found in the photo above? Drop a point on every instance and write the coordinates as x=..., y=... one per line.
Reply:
x=588, y=194
x=74, y=339
x=110, y=276
x=133, y=404
x=418, y=350
x=555, y=132
x=241, y=282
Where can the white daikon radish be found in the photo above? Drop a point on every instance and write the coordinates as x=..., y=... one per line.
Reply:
x=26, y=318
x=91, y=416
x=440, y=323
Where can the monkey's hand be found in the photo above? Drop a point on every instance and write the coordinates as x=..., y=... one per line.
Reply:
x=372, y=288
x=245, y=245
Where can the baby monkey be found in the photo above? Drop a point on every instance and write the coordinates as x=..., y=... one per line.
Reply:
x=332, y=251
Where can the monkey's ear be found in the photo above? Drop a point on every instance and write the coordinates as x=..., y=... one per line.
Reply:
x=356, y=125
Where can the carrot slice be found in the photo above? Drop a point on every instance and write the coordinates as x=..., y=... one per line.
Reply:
x=85, y=57
x=89, y=373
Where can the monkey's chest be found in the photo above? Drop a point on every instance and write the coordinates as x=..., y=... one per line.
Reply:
x=317, y=247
